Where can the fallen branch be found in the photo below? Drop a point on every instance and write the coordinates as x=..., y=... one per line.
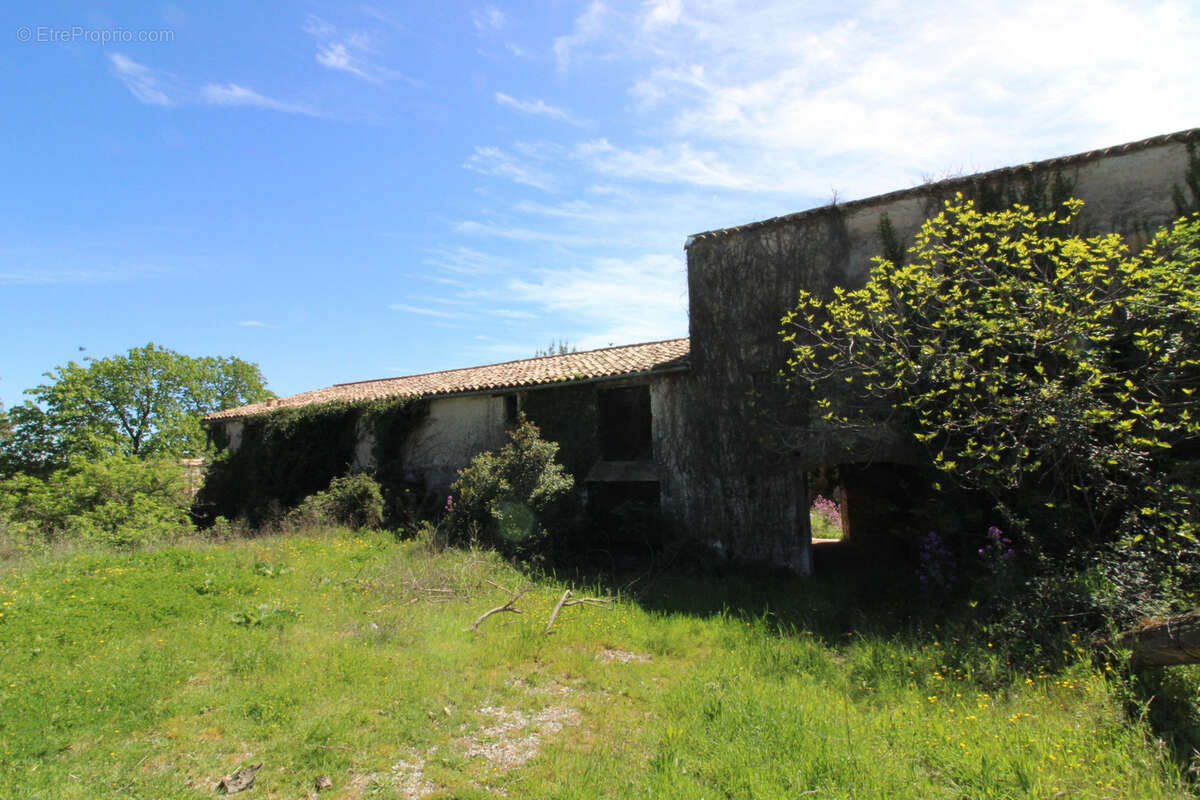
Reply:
x=568, y=599
x=1165, y=643
x=557, y=607
x=498, y=609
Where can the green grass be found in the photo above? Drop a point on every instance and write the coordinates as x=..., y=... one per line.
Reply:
x=153, y=674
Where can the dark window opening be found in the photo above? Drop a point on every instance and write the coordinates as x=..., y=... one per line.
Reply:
x=625, y=432
x=877, y=504
x=611, y=494
x=510, y=409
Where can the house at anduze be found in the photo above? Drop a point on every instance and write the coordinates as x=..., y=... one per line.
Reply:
x=673, y=420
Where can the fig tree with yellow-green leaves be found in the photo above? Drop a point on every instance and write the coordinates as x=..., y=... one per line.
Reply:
x=1056, y=373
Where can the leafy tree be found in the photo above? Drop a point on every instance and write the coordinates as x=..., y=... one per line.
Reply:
x=5, y=426
x=1056, y=373
x=118, y=500
x=147, y=402
x=557, y=347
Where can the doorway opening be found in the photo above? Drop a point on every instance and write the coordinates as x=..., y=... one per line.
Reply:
x=827, y=516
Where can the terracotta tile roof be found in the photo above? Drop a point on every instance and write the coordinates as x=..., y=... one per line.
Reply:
x=1189, y=135
x=670, y=355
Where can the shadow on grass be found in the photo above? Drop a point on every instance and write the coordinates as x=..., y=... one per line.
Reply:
x=1000, y=634
x=1168, y=698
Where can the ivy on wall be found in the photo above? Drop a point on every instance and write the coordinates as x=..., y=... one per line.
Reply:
x=391, y=422
x=1040, y=191
x=1191, y=179
x=568, y=415
x=290, y=453
x=893, y=249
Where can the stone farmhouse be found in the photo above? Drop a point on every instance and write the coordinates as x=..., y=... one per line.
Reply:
x=674, y=421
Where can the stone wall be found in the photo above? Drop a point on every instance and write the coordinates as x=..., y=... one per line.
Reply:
x=745, y=474
x=456, y=429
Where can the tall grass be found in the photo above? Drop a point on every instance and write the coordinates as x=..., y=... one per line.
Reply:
x=344, y=655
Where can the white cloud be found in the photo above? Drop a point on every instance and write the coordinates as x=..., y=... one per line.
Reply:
x=498, y=163
x=528, y=235
x=679, y=163
x=663, y=12
x=158, y=88
x=869, y=97
x=335, y=56
x=144, y=83
x=465, y=261
x=254, y=323
x=427, y=312
x=588, y=26
x=351, y=51
x=489, y=19
x=539, y=107
x=383, y=16
x=614, y=300
x=232, y=94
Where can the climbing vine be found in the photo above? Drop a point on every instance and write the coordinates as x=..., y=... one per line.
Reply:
x=290, y=453
x=568, y=415
x=1191, y=178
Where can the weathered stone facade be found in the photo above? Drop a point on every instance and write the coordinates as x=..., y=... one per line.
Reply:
x=743, y=489
x=458, y=427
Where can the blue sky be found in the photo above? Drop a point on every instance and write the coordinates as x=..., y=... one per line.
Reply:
x=345, y=191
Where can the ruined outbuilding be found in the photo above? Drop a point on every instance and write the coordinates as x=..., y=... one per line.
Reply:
x=682, y=419
x=610, y=410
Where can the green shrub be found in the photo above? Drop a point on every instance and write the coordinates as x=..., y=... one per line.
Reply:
x=354, y=501
x=507, y=498
x=406, y=504
x=119, y=500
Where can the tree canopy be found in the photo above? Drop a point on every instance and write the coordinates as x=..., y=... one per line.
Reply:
x=1047, y=369
x=147, y=402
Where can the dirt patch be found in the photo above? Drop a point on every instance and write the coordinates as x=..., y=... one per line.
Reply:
x=406, y=780
x=559, y=689
x=409, y=779
x=515, y=736
x=610, y=654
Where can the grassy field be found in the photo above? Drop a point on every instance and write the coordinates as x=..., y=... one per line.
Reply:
x=344, y=655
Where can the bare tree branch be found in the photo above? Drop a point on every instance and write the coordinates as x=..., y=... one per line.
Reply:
x=506, y=607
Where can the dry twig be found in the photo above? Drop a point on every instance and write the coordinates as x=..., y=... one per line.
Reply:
x=506, y=607
x=568, y=599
